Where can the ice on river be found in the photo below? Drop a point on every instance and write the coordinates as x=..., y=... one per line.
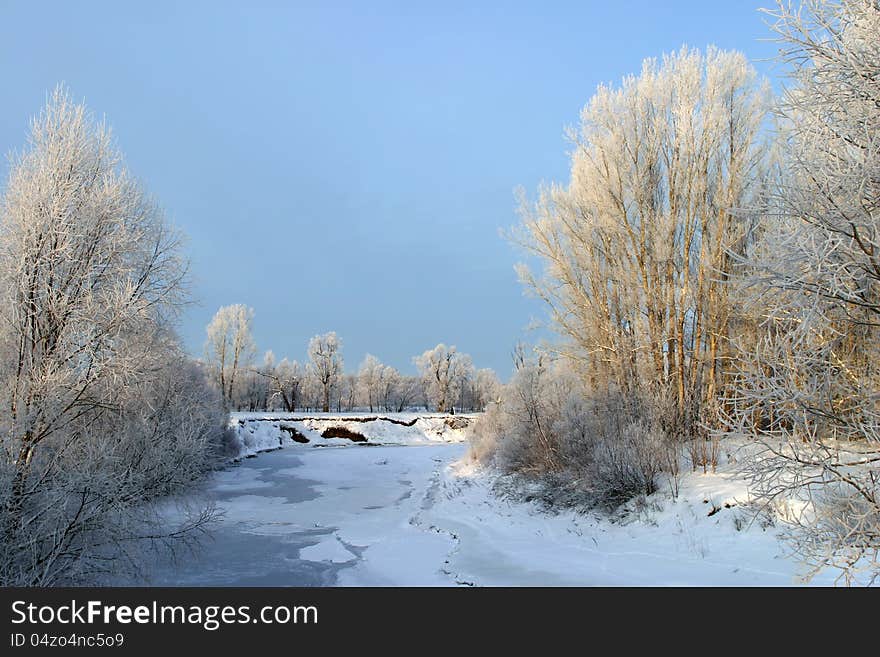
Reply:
x=420, y=515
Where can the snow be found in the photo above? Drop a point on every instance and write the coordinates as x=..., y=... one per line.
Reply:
x=257, y=437
x=457, y=531
x=260, y=432
x=371, y=497
x=665, y=543
x=422, y=514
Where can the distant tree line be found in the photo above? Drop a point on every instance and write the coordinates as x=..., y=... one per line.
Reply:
x=447, y=379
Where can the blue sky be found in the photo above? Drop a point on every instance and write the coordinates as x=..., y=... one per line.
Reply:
x=348, y=166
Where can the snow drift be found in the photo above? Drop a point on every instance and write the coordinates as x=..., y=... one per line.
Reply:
x=260, y=432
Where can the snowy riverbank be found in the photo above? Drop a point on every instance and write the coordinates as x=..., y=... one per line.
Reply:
x=259, y=432
x=706, y=536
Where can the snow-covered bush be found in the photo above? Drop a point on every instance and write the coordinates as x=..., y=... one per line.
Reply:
x=532, y=406
x=627, y=465
x=485, y=433
x=614, y=447
x=581, y=448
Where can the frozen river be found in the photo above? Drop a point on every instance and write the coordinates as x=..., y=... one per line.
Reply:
x=399, y=516
x=322, y=516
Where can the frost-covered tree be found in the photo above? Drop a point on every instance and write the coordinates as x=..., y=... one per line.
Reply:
x=230, y=349
x=637, y=247
x=103, y=413
x=312, y=390
x=478, y=388
x=809, y=390
x=406, y=392
x=390, y=382
x=287, y=384
x=325, y=356
x=487, y=388
x=371, y=381
x=258, y=388
x=442, y=370
x=348, y=392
